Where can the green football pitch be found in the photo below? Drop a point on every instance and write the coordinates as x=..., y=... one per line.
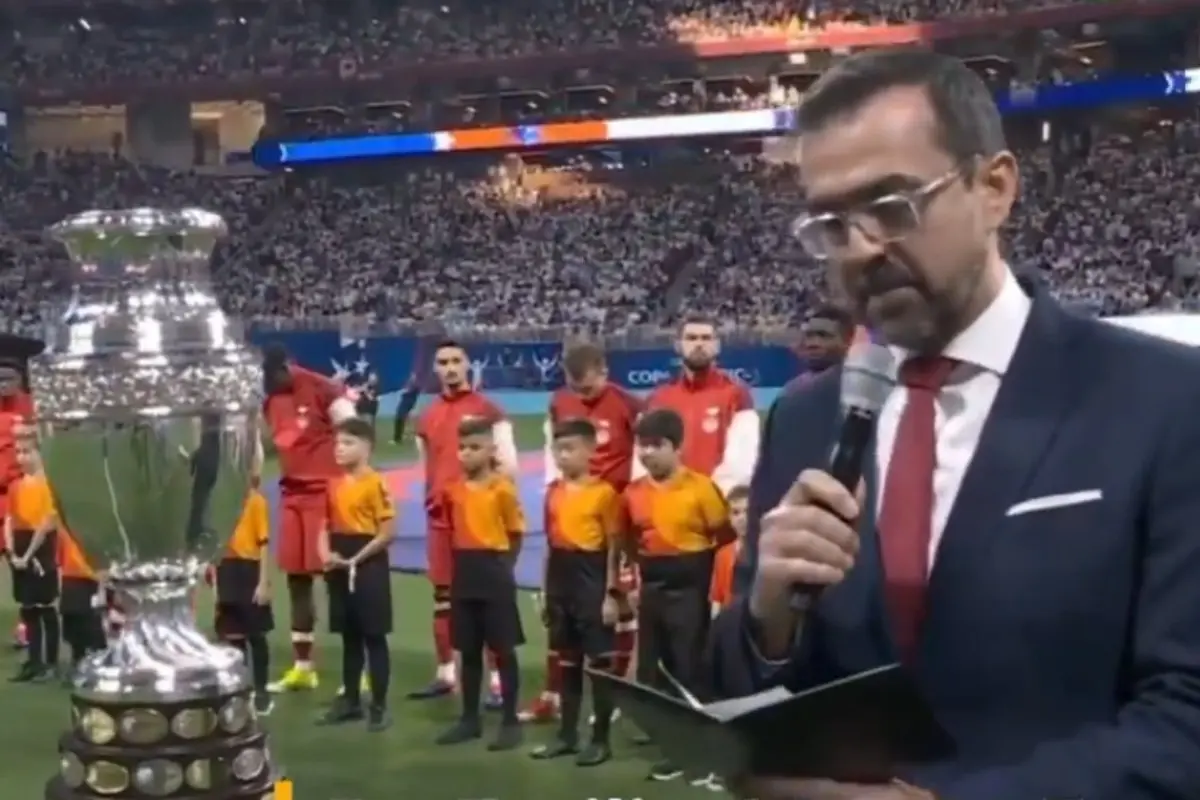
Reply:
x=348, y=763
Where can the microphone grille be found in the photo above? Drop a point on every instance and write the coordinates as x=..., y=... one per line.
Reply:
x=868, y=377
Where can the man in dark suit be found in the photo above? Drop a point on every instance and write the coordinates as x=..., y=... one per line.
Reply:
x=1026, y=537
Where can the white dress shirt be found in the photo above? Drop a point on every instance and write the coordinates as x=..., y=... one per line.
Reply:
x=985, y=350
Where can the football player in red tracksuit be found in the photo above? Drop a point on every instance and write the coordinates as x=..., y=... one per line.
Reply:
x=16, y=407
x=302, y=409
x=437, y=440
x=613, y=411
x=721, y=427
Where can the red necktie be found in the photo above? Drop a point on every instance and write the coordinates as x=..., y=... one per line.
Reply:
x=906, y=516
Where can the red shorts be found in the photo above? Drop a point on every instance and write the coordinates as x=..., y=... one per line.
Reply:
x=439, y=553
x=301, y=517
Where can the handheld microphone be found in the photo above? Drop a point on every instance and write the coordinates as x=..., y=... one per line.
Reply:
x=868, y=377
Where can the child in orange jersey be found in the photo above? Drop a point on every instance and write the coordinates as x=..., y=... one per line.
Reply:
x=79, y=601
x=583, y=525
x=354, y=548
x=677, y=519
x=721, y=593
x=486, y=532
x=243, y=593
x=29, y=538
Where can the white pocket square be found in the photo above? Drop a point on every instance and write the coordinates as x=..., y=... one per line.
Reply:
x=1055, y=501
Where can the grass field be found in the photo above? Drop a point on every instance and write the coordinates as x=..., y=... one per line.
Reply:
x=348, y=763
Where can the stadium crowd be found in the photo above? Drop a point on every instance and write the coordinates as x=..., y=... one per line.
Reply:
x=591, y=246
x=303, y=34
x=601, y=243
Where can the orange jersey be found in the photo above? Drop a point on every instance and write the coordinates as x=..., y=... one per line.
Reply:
x=583, y=516
x=682, y=515
x=437, y=430
x=721, y=592
x=71, y=560
x=613, y=411
x=486, y=515
x=30, y=503
x=360, y=504
x=253, y=529
x=707, y=404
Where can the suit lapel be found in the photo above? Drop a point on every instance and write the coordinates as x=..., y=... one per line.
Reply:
x=1035, y=395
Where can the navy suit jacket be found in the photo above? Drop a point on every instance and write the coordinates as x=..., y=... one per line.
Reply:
x=1062, y=647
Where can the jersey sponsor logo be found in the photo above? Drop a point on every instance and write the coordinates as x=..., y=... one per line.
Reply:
x=648, y=377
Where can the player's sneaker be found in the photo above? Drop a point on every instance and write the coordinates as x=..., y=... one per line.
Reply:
x=264, y=704
x=710, y=782
x=297, y=679
x=437, y=688
x=20, y=638
x=544, y=709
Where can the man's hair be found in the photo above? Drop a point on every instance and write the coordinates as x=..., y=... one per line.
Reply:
x=967, y=118
x=739, y=492
x=576, y=426
x=274, y=356
x=446, y=344
x=660, y=425
x=581, y=358
x=698, y=319
x=474, y=426
x=836, y=314
x=357, y=427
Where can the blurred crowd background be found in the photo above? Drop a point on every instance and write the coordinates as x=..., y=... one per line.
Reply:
x=121, y=103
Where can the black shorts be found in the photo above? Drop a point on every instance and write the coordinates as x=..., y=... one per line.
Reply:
x=574, y=627
x=493, y=622
x=365, y=607
x=243, y=620
x=37, y=583
x=673, y=619
x=238, y=616
x=78, y=596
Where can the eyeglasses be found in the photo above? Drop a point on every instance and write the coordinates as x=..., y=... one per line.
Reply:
x=884, y=220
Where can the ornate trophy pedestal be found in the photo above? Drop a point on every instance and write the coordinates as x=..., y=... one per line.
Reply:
x=147, y=421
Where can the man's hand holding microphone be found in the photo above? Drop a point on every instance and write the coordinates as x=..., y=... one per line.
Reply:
x=809, y=540
x=805, y=544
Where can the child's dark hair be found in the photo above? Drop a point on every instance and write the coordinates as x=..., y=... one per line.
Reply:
x=357, y=427
x=739, y=492
x=474, y=426
x=577, y=426
x=660, y=425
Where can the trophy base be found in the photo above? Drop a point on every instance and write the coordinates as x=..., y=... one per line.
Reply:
x=57, y=790
x=162, y=713
x=216, y=766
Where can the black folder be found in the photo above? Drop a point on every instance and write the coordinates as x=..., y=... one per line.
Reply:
x=859, y=729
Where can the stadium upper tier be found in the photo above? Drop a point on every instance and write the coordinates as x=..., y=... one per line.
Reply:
x=616, y=239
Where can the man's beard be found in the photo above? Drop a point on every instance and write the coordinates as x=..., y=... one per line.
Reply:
x=698, y=363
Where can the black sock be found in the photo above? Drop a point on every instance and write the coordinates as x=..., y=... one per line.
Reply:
x=34, y=637
x=258, y=657
x=510, y=684
x=572, y=702
x=602, y=705
x=379, y=668
x=53, y=631
x=471, y=684
x=353, y=662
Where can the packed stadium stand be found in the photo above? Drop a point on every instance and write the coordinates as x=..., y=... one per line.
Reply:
x=609, y=239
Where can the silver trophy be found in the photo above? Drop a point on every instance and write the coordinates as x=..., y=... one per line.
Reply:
x=148, y=412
